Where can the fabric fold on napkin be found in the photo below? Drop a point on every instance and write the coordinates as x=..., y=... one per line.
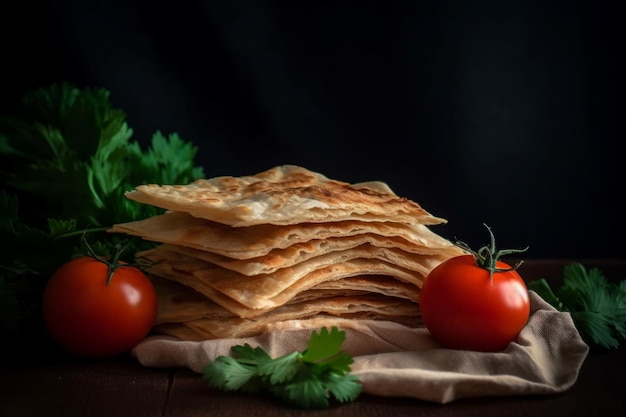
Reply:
x=397, y=361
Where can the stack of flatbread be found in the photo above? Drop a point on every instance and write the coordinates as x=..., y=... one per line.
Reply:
x=285, y=248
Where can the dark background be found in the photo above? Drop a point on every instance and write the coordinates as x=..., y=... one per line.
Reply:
x=505, y=113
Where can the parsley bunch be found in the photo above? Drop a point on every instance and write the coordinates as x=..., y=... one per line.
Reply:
x=66, y=159
x=68, y=154
x=303, y=379
x=597, y=306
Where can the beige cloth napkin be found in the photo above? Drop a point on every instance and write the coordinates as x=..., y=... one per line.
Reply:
x=393, y=360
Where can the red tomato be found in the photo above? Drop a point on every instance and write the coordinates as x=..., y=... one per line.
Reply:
x=90, y=318
x=463, y=307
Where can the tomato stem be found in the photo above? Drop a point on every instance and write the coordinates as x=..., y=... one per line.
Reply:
x=83, y=232
x=111, y=264
x=487, y=256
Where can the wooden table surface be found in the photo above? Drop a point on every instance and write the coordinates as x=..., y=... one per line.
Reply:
x=47, y=382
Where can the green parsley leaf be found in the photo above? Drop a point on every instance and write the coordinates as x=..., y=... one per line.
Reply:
x=67, y=156
x=254, y=355
x=60, y=227
x=281, y=369
x=308, y=379
x=230, y=374
x=321, y=350
x=171, y=159
x=597, y=306
x=344, y=388
x=307, y=390
x=324, y=345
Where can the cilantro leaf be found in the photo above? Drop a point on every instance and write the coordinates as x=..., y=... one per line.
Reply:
x=254, y=355
x=281, y=369
x=81, y=145
x=596, y=327
x=597, y=306
x=306, y=379
x=306, y=391
x=325, y=349
x=229, y=374
x=345, y=388
x=67, y=156
x=326, y=343
x=171, y=159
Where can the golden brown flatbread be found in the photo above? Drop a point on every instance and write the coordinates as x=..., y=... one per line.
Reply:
x=364, y=307
x=189, y=315
x=255, y=241
x=283, y=195
x=252, y=296
x=285, y=248
x=180, y=303
x=359, y=246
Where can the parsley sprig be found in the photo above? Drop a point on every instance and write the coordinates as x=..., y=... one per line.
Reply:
x=308, y=379
x=597, y=306
x=66, y=159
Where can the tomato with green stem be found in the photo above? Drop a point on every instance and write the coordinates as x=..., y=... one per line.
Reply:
x=95, y=307
x=475, y=301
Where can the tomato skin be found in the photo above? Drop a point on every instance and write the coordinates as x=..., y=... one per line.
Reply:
x=463, y=308
x=92, y=319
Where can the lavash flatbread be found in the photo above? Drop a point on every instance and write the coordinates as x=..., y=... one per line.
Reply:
x=187, y=314
x=369, y=245
x=282, y=195
x=285, y=248
x=364, y=307
x=179, y=303
x=254, y=241
x=252, y=296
